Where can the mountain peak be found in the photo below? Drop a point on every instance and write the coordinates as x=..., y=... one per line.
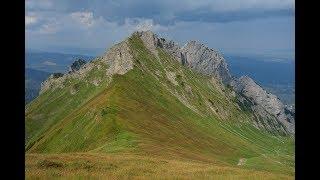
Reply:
x=146, y=33
x=194, y=55
x=147, y=96
x=119, y=59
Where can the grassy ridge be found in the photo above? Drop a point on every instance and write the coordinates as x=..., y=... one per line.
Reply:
x=53, y=105
x=142, y=113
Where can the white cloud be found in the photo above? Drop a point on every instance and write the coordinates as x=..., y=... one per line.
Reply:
x=29, y=20
x=145, y=25
x=49, y=63
x=141, y=24
x=49, y=28
x=85, y=18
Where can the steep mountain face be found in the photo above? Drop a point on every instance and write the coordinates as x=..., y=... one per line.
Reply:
x=148, y=96
x=270, y=113
x=118, y=59
x=265, y=105
x=206, y=61
x=194, y=55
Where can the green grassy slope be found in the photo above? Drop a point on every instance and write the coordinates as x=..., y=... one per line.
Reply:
x=144, y=113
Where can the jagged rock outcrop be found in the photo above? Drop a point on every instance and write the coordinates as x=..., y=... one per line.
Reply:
x=206, y=61
x=76, y=65
x=78, y=69
x=263, y=103
x=52, y=80
x=150, y=40
x=118, y=59
x=56, y=75
x=210, y=62
x=171, y=47
x=194, y=55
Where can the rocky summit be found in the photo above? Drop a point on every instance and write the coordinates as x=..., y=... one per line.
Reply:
x=163, y=109
x=194, y=55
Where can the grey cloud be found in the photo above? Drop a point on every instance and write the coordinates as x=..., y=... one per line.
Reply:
x=169, y=11
x=222, y=24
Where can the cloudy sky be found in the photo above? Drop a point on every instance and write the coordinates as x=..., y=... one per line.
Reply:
x=231, y=26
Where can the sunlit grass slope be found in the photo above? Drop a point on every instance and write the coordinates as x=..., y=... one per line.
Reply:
x=128, y=166
x=144, y=114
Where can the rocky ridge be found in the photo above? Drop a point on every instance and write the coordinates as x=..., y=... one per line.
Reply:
x=194, y=55
x=76, y=65
x=116, y=60
x=206, y=61
x=210, y=62
x=198, y=57
x=263, y=103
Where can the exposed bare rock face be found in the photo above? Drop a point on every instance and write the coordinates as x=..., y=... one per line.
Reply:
x=211, y=63
x=118, y=59
x=78, y=69
x=52, y=82
x=194, y=55
x=264, y=104
x=172, y=77
x=171, y=47
x=206, y=61
x=150, y=40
